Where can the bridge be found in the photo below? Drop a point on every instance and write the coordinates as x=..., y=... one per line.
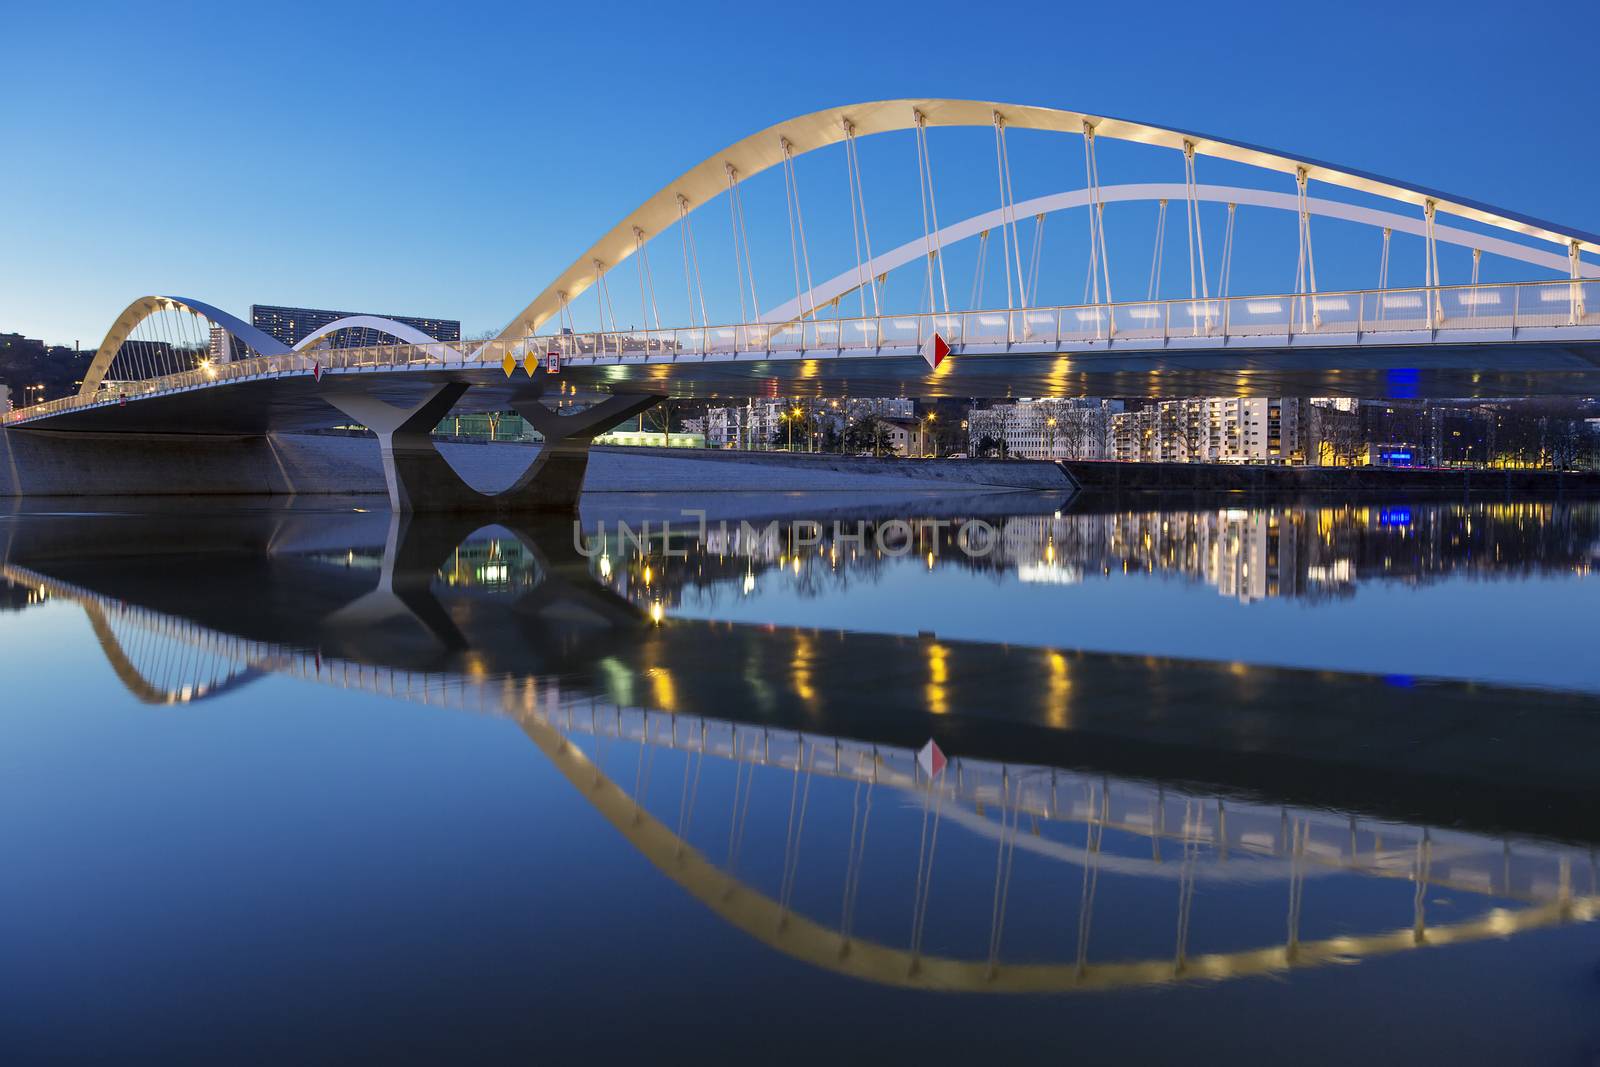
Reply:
x=568, y=364
x=820, y=867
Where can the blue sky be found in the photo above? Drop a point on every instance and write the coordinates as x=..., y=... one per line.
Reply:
x=450, y=160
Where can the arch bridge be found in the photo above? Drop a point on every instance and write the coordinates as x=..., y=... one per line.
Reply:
x=1040, y=307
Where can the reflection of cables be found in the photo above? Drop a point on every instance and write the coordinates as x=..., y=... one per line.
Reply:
x=924, y=886
x=791, y=845
x=1002, y=870
x=855, y=861
x=686, y=803
x=1186, y=883
x=641, y=777
x=1091, y=870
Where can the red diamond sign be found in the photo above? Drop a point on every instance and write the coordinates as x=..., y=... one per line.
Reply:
x=931, y=759
x=934, y=349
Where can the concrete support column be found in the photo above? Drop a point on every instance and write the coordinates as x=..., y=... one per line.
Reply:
x=556, y=476
x=419, y=479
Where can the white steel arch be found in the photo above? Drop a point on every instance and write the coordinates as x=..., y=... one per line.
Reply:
x=850, y=280
x=822, y=128
x=135, y=313
x=398, y=330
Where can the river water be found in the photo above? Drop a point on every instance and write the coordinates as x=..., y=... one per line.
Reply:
x=1237, y=782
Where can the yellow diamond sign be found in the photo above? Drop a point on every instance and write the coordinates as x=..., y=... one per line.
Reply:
x=530, y=364
x=509, y=363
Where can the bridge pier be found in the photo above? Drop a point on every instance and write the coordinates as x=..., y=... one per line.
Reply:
x=420, y=480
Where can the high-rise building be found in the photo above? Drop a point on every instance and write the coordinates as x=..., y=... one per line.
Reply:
x=293, y=325
x=1216, y=429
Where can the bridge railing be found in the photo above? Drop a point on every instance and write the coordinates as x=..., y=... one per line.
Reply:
x=1509, y=306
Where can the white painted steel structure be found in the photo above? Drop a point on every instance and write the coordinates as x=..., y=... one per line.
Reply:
x=774, y=145
x=1525, y=330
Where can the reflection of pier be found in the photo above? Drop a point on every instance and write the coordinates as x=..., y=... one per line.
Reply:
x=643, y=736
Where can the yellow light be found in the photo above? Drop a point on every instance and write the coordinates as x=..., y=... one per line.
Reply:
x=605, y=566
x=647, y=574
x=655, y=611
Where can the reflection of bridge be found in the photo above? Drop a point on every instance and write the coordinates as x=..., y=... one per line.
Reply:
x=845, y=335
x=616, y=732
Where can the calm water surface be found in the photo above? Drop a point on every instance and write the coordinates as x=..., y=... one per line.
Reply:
x=1248, y=783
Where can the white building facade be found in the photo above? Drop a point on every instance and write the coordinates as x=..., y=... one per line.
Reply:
x=1046, y=428
x=1212, y=430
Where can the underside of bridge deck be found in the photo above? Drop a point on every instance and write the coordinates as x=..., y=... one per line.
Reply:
x=419, y=479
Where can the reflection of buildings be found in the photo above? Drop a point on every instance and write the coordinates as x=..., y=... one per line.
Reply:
x=1248, y=554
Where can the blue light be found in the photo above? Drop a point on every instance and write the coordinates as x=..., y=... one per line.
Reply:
x=1394, y=517
x=1403, y=382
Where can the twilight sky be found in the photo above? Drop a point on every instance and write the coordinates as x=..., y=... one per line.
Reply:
x=448, y=160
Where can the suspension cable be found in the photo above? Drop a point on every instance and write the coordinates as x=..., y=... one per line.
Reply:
x=930, y=207
x=1431, y=262
x=797, y=232
x=1383, y=263
x=733, y=224
x=1097, y=216
x=1305, y=274
x=1225, y=268
x=691, y=258
x=602, y=296
x=744, y=237
x=978, y=270
x=1010, y=243
x=858, y=199
x=1196, y=233
x=1035, y=259
x=1157, y=253
x=646, y=281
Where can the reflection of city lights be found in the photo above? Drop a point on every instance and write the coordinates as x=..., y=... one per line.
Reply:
x=655, y=611
x=749, y=584
x=647, y=573
x=605, y=566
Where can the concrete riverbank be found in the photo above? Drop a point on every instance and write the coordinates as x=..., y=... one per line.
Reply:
x=35, y=463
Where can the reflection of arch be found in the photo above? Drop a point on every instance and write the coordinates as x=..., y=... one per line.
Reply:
x=848, y=281
x=135, y=313
x=748, y=908
x=786, y=931
x=822, y=128
x=398, y=330
x=145, y=691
